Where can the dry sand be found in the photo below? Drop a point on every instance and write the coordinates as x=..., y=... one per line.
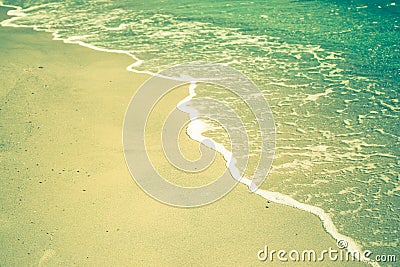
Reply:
x=67, y=197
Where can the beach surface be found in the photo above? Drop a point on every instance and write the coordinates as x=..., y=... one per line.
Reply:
x=67, y=197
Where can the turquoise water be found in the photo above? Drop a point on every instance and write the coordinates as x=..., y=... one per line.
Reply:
x=329, y=69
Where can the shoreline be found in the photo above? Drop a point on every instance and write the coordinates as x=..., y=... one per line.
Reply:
x=274, y=196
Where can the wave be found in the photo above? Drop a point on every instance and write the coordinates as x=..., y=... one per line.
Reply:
x=196, y=128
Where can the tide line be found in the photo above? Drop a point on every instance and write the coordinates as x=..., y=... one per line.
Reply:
x=195, y=129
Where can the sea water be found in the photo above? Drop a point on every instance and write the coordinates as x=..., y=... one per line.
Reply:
x=330, y=71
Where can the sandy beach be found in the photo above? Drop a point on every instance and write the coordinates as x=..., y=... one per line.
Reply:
x=67, y=197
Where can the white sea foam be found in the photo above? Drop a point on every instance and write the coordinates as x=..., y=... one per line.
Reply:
x=121, y=27
x=11, y=6
x=195, y=130
x=18, y=13
x=316, y=96
x=197, y=127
